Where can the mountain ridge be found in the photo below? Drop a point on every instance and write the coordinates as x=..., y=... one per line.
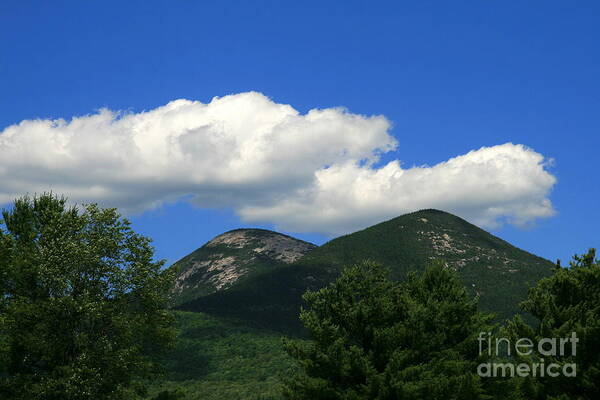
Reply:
x=492, y=269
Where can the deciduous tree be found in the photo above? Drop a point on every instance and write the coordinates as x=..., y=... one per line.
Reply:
x=82, y=302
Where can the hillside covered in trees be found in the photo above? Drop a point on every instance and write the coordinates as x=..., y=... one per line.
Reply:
x=399, y=310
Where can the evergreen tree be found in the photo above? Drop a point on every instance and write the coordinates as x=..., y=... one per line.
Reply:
x=375, y=339
x=82, y=303
x=567, y=302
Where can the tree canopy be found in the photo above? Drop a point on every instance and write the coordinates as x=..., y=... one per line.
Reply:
x=375, y=339
x=567, y=302
x=82, y=303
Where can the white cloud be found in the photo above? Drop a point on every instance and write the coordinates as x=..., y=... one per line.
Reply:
x=311, y=172
x=485, y=186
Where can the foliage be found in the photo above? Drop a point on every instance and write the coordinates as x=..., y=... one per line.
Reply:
x=219, y=359
x=82, y=303
x=566, y=302
x=82, y=316
x=375, y=339
x=170, y=395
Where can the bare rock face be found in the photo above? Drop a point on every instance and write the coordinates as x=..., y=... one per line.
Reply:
x=231, y=256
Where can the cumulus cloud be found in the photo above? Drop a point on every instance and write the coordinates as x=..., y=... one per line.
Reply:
x=313, y=172
x=486, y=186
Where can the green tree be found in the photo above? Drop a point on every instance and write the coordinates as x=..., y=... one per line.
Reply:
x=82, y=303
x=566, y=302
x=375, y=339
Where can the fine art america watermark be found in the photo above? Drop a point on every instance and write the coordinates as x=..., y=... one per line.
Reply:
x=545, y=347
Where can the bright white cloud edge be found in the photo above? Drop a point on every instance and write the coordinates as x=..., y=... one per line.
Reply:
x=312, y=172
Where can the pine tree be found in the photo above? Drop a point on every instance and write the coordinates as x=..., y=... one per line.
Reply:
x=375, y=339
x=567, y=302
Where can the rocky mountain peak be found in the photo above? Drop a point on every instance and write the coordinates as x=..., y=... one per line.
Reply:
x=232, y=256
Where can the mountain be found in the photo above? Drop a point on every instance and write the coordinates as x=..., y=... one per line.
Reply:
x=491, y=268
x=233, y=256
x=230, y=347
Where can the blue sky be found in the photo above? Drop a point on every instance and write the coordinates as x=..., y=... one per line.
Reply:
x=448, y=77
